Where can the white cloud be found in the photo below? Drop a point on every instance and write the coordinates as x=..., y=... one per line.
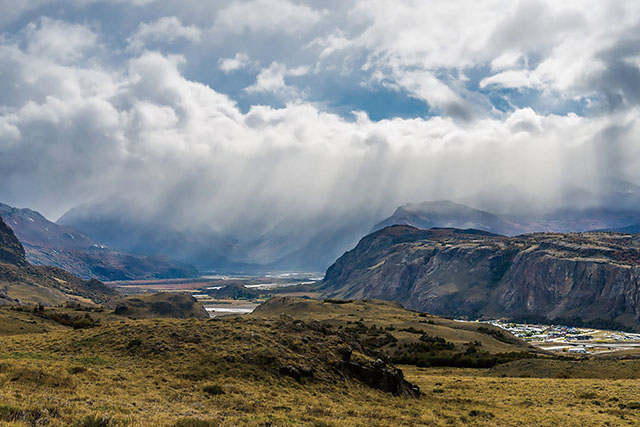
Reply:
x=145, y=131
x=553, y=47
x=331, y=43
x=267, y=15
x=164, y=30
x=238, y=62
x=77, y=124
x=59, y=40
x=272, y=79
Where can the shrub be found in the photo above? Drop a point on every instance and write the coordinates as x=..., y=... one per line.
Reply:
x=338, y=301
x=495, y=333
x=134, y=344
x=412, y=330
x=11, y=413
x=213, y=389
x=588, y=395
x=77, y=370
x=630, y=405
x=478, y=413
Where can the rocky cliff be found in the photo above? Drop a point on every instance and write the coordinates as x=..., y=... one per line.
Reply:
x=22, y=283
x=587, y=277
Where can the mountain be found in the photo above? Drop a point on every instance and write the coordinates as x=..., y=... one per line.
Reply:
x=153, y=236
x=631, y=229
x=313, y=244
x=450, y=214
x=446, y=213
x=47, y=243
x=291, y=244
x=317, y=250
x=592, y=277
x=23, y=283
x=11, y=251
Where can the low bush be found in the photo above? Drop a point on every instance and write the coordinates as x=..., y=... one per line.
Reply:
x=338, y=301
x=213, y=390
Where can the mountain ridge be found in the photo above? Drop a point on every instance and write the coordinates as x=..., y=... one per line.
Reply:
x=467, y=273
x=23, y=283
x=48, y=243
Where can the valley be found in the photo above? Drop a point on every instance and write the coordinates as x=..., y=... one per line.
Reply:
x=306, y=348
x=229, y=294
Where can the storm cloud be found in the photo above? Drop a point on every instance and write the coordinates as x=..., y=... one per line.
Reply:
x=235, y=113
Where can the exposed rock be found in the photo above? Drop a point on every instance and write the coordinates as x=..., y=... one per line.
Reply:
x=382, y=376
x=297, y=372
x=592, y=276
x=11, y=251
x=28, y=284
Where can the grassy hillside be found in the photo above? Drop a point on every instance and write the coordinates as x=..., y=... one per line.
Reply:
x=279, y=370
x=405, y=336
x=173, y=305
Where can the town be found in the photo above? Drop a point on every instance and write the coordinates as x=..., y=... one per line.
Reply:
x=571, y=339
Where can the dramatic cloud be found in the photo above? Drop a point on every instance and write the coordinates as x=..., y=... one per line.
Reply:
x=261, y=112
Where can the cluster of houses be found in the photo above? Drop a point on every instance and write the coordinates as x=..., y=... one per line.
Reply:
x=571, y=339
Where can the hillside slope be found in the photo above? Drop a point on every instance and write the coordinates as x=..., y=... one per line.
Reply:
x=590, y=276
x=47, y=243
x=23, y=283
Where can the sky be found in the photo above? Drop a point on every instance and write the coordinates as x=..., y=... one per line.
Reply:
x=259, y=111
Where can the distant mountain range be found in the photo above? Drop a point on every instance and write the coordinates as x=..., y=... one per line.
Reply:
x=450, y=214
x=312, y=245
x=290, y=245
x=574, y=277
x=47, y=243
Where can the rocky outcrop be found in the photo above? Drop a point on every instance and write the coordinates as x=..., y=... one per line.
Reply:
x=378, y=374
x=11, y=251
x=585, y=276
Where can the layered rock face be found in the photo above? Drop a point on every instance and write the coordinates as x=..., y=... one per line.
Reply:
x=470, y=273
x=11, y=251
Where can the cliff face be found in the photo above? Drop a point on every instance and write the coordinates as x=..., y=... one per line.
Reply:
x=469, y=273
x=23, y=283
x=11, y=251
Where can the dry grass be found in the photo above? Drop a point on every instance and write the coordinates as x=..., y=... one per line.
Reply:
x=225, y=372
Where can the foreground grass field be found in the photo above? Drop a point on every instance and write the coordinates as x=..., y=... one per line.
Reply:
x=242, y=371
x=42, y=389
